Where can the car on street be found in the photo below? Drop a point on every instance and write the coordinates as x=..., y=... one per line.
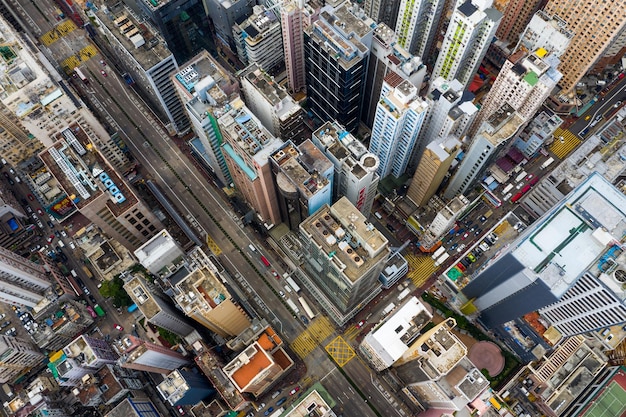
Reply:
x=31, y=197
x=50, y=238
x=529, y=177
x=92, y=299
x=464, y=236
x=478, y=231
x=282, y=294
x=293, y=391
x=460, y=248
x=268, y=411
x=72, y=245
x=40, y=212
x=118, y=327
x=453, y=247
x=304, y=320
x=103, y=63
x=103, y=72
x=360, y=324
x=260, y=407
x=180, y=409
x=29, y=209
x=63, y=233
x=275, y=274
x=281, y=401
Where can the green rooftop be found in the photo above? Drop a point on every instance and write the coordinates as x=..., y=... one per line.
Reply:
x=531, y=78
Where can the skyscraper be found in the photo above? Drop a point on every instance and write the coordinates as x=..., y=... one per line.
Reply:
x=247, y=146
x=387, y=56
x=259, y=40
x=22, y=282
x=17, y=356
x=295, y=15
x=516, y=16
x=142, y=355
x=336, y=53
x=432, y=168
x=206, y=89
x=569, y=265
x=492, y=136
x=417, y=23
x=355, y=167
x=595, y=26
x=155, y=308
x=524, y=82
x=269, y=101
x=224, y=14
x=399, y=118
x=546, y=32
x=202, y=296
x=470, y=32
x=343, y=257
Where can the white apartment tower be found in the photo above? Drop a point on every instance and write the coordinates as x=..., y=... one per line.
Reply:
x=470, y=32
x=399, y=118
x=494, y=133
x=22, y=282
x=417, y=23
x=356, y=175
x=16, y=356
x=259, y=40
x=524, y=82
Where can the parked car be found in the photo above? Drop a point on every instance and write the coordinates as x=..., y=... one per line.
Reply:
x=268, y=411
x=453, y=247
x=464, y=236
x=118, y=327
x=460, y=248
x=293, y=391
x=103, y=72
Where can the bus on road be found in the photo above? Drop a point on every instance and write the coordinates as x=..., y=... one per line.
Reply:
x=81, y=75
x=292, y=284
x=439, y=252
x=306, y=308
x=265, y=261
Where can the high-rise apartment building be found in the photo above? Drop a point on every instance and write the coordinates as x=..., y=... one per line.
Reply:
x=293, y=21
x=15, y=233
x=22, y=282
x=417, y=23
x=159, y=252
x=84, y=355
x=59, y=323
x=546, y=32
x=141, y=52
x=247, y=146
x=595, y=27
x=569, y=265
x=387, y=56
x=280, y=114
x=355, y=167
x=336, y=51
x=382, y=11
x=17, y=356
x=493, y=135
x=524, y=83
x=516, y=16
x=154, y=308
x=259, y=39
x=443, y=222
x=303, y=181
x=95, y=189
x=470, y=32
x=146, y=356
x=206, y=89
x=202, y=296
x=343, y=257
x=399, y=118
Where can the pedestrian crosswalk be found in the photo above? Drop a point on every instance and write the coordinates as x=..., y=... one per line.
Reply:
x=318, y=330
x=57, y=33
x=351, y=333
x=73, y=61
x=421, y=267
x=564, y=142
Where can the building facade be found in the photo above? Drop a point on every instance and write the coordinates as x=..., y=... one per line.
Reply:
x=22, y=282
x=259, y=39
x=336, y=58
x=344, y=256
x=399, y=119
x=17, y=356
x=470, y=32
x=417, y=24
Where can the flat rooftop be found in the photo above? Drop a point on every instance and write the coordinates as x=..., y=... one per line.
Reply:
x=392, y=337
x=135, y=33
x=308, y=183
x=574, y=234
x=347, y=237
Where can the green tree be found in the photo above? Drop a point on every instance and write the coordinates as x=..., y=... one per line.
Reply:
x=115, y=289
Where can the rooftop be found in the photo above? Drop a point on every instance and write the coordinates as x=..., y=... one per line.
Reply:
x=275, y=94
x=342, y=232
x=201, y=290
x=574, y=234
x=392, y=337
x=135, y=33
x=307, y=182
x=140, y=294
